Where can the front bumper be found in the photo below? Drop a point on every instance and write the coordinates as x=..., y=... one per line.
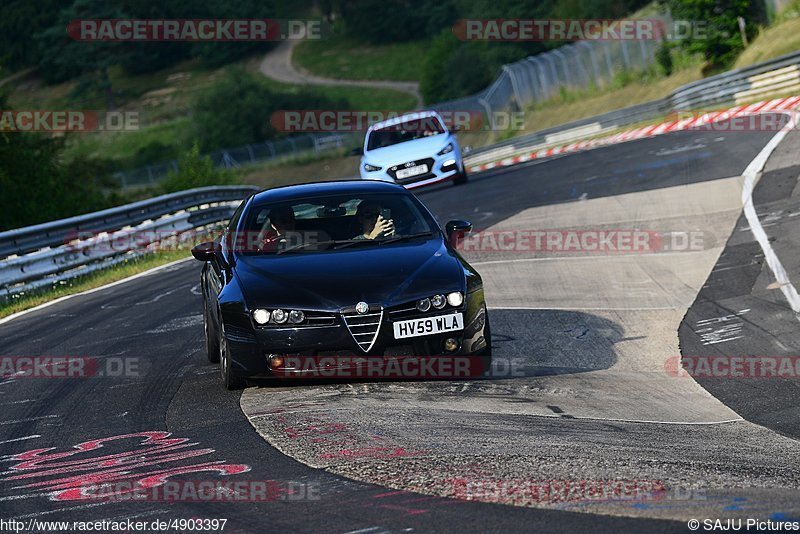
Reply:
x=333, y=347
x=442, y=168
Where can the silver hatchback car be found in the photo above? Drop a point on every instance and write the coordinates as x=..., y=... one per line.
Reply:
x=413, y=150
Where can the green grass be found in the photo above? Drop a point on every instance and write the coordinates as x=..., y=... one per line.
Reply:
x=360, y=98
x=91, y=281
x=341, y=57
x=781, y=38
x=164, y=101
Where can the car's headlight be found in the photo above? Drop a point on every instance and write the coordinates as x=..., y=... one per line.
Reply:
x=445, y=150
x=424, y=305
x=261, y=316
x=296, y=316
x=438, y=301
x=371, y=168
x=279, y=316
x=455, y=299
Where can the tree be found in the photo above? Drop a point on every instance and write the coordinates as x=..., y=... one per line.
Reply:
x=717, y=37
x=194, y=170
x=38, y=186
x=64, y=58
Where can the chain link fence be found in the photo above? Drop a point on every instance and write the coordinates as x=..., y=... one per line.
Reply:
x=579, y=65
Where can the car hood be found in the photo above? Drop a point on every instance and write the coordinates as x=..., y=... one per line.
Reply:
x=424, y=147
x=388, y=275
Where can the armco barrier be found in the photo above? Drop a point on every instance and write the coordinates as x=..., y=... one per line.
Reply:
x=31, y=238
x=779, y=75
x=48, y=253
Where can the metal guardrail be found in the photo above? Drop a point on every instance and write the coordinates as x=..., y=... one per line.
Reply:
x=781, y=74
x=45, y=254
x=31, y=238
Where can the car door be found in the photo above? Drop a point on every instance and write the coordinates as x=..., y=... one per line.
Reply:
x=218, y=272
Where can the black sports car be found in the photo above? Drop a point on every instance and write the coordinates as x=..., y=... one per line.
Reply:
x=318, y=278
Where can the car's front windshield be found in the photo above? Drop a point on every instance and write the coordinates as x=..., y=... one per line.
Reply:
x=332, y=222
x=404, y=131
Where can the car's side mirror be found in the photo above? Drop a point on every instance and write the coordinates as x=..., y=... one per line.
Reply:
x=357, y=151
x=457, y=128
x=456, y=230
x=205, y=251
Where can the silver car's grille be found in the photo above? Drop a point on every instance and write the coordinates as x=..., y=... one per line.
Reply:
x=364, y=327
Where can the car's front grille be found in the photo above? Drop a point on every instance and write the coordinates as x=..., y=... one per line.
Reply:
x=364, y=327
x=392, y=171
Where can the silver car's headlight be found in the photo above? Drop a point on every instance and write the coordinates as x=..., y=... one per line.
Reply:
x=445, y=150
x=371, y=168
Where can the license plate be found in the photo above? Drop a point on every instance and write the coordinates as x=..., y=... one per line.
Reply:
x=412, y=171
x=428, y=325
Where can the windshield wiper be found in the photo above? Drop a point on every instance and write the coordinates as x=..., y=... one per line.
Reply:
x=342, y=242
x=302, y=246
x=403, y=237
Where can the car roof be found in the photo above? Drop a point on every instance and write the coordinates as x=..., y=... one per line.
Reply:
x=404, y=118
x=311, y=189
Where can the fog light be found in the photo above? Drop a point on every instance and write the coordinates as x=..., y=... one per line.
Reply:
x=279, y=316
x=296, y=316
x=455, y=299
x=438, y=301
x=424, y=305
x=449, y=163
x=275, y=361
x=451, y=344
x=261, y=316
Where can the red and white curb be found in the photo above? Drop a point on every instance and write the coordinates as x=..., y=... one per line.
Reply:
x=778, y=104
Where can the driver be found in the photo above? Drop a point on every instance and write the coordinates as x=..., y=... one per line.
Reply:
x=373, y=225
x=281, y=221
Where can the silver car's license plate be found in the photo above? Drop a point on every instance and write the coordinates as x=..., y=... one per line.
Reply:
x=412, y=171
x=428, y=325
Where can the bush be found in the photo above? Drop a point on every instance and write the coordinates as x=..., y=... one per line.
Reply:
x=237, y=110
x=195, y=170
x=38, y=186
x=453, y=69
x=664, y=58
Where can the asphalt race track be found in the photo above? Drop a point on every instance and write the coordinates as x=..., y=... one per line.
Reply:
x=582, y=391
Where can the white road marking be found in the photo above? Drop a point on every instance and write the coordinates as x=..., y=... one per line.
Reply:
x=21, y=439
x=749, y=175
x=15, y=421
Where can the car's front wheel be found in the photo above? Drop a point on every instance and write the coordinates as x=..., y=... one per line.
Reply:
x=460, y=178
x=230, y=380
